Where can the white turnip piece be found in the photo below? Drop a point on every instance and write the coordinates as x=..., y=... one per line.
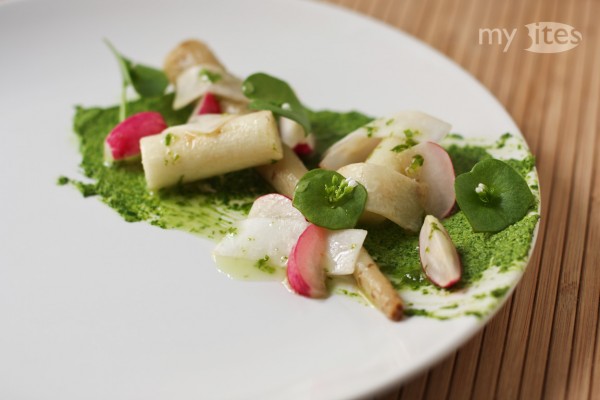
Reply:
x=274, y=205
x=357, y=145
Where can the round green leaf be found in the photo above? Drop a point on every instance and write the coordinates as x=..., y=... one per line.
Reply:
x=329, y=200
x=492, y=196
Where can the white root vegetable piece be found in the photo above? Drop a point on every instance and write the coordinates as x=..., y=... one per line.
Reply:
x=356, y=146
x=187, y=54
x=377, y=287
x=283, y=176
x=195, y=81
x=384, y=154
x=391, y=194
x=274, y=206
x=343, y=248
x=187, y=153
x=285, y=173
x=439, y=257
x=269, y=239
x=305, y=271
x=293, y=135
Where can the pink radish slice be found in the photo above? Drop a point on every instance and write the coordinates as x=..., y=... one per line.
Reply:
x=124, y=140
x=303, y=149
x=305, y=271
x=209, y=105
x=439, y=257
x=436, y=176
x=274, y=205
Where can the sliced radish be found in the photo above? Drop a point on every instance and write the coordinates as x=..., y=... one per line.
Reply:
x=343, y=248
x=124, y=140
x=439, y=257
x=209, y=104
x=305, y=271
x=436, y=176
x=259, y=237
x=274, y=205
x=357, y=145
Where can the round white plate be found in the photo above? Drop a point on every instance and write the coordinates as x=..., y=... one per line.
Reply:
x=96, y=308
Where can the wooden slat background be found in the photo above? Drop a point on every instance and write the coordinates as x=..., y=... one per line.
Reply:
x=545, y=342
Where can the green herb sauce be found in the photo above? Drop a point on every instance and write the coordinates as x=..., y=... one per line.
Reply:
x=211, y=207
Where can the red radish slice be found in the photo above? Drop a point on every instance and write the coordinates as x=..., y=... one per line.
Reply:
x=303, y=149
x=439, y=257
x=209, y=105
x=305, y=271
x=293, y=135
x=124, y=140
x=436, y=176
x=274, y=205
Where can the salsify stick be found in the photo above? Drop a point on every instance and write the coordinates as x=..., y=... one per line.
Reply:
x=283, y=176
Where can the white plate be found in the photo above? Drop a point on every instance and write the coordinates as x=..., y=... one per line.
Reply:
x=96, y=308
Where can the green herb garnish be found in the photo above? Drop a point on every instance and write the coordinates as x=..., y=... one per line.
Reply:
x=329, y=200
x=146, y=81
x=410, y=141
x=492, y=196
x=209, y=76
x=269, y=93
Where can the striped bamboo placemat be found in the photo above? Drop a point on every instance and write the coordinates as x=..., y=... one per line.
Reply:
x=545, y=342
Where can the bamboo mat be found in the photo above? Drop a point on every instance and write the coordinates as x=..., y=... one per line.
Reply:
x=545, y=342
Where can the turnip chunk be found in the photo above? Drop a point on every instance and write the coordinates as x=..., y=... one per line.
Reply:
x=343, y=248
x=196, y=81
x=356, y=146
x=435, y=175
x=274, y=205
x=124, y=140
x=439, y=257
x=187, y=54
x=270, y=239
x=391, y=194
x=377, y=287
x=208, y=147
x=305, y=271
x=293, y=135
x=285, y=173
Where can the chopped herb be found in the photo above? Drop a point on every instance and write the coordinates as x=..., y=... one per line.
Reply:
x=169, y=138
x=263, y=265
x=209, y=76
x=62, y=180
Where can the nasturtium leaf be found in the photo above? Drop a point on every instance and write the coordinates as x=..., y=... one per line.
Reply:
x=329, y=200
x=492, y=196
x=266, y=92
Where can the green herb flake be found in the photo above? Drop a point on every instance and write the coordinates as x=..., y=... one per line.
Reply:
x=493, y=196
x=263, y=265
x=329, y=200
x=209, y=76
x=169, y=138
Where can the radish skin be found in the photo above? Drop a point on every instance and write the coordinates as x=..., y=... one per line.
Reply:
x=305, y=271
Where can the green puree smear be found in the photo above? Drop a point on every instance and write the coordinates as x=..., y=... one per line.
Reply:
x=211, y=207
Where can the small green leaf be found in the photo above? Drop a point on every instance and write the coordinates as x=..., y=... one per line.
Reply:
x=492, y=196
x=269, y=93
x=329, y=200
x=147, y=81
